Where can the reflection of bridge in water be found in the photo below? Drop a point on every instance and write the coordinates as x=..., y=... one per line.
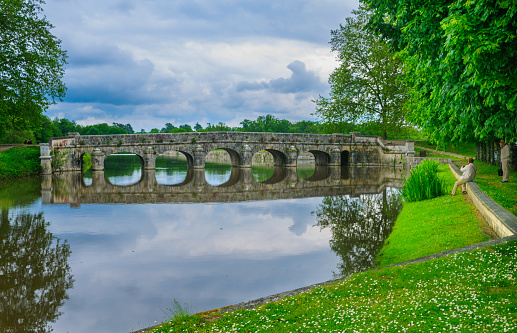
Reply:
x=69, y=188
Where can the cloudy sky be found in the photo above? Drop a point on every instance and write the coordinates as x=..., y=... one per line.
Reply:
x=151, y=62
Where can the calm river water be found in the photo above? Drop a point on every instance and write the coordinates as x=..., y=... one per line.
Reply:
x=111, y=251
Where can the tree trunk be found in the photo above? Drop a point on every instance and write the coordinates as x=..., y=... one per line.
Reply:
x=513, y=157
x=490, y=145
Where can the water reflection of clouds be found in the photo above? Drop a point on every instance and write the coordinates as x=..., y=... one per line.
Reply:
x=259, y=230
x=131, y=261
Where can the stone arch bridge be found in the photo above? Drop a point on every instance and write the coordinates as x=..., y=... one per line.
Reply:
x=65, y=153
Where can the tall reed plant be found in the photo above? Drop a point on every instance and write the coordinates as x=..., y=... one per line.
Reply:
x=423, y=183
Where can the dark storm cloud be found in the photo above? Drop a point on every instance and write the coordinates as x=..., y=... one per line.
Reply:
x=301, y=80
x=103, y=73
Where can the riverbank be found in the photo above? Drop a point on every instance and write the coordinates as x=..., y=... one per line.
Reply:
x=19, y=162
x=472, y=291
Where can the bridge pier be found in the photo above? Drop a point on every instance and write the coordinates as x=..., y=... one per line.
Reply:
x=149, y=179
x=199, y=157
x=335, y=156
x=46, y=189
x=199, y=182
x=149, y=159
x=98, y=181
x=98, y=160
x=45, y=158
x=292, y=156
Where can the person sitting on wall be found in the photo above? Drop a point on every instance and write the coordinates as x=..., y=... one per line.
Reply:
x=468, y=175
x=505, y=159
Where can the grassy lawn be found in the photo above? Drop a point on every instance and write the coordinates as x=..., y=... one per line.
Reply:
x=489, y=182
x=486, y=177
x=464, y=149
x=432, y=226
x=467, y=292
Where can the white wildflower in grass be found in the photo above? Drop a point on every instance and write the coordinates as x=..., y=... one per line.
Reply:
x=466, y=292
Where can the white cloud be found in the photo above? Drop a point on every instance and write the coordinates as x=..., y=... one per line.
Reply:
x=186, y=61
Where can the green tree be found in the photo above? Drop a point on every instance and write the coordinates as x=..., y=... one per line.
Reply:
x=220, y=127
x=35, y=273
x=178, y=130
x=366, y=86
x=306, y=126
x=127, y=127
x=31, y=65
x=101, y=129
x=186, y=127
x=46, y=129
x=198, y=127
x=267, y=123
x=66, y=126
x=461, y=64
x=168, y=128
x=359, y=227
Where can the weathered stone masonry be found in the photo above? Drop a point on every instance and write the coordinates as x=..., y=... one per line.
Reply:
x=328, y=149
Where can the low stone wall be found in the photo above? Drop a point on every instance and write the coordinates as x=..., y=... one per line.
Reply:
x=500, y=220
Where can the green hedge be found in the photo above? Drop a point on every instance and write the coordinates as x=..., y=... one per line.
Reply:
x=19, y=162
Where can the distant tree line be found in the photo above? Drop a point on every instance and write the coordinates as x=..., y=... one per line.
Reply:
x=58, y=127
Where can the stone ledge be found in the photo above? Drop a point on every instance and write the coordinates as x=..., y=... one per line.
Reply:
x=500, y=220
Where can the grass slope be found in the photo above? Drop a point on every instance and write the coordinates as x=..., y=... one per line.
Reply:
x=467, y=292
x=432, y=226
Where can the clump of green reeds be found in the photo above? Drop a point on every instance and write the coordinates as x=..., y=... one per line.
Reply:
x=423, y=183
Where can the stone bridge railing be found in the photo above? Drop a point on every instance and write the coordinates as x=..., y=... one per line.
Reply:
x=65, y=154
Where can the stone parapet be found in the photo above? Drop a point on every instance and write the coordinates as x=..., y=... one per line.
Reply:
x=500, y=220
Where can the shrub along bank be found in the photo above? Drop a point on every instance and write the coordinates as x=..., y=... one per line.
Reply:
x=19, y=162
x=467, y=292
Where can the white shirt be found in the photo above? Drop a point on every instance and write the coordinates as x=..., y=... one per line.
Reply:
x=469, y=172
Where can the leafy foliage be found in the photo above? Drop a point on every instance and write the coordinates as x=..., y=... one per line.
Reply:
x=461, y=63
x=31, y=65
x=359, y=227
x=35, y=273
x=19, y=162
x=365, y=87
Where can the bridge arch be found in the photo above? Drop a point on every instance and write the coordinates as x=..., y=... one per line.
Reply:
x=188, y=156
x=129, y=168
x=235, y=157
x=320, y=157
x=279, y=158
x=279, y=174
x=345, y=157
